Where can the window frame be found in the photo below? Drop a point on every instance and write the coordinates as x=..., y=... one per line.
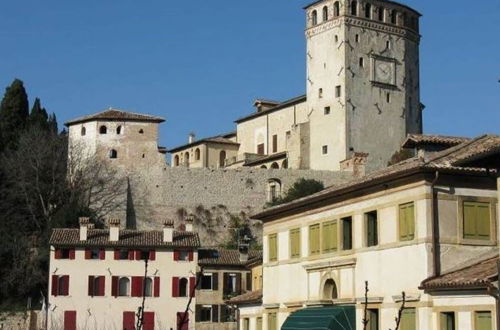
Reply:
x=461, y=220
x=440, y=324
x=129, y=288
x=475, y=314
x=202, y=307
x=335, y=237
x=343, y=220
x=366, y=227
x=299, y=245
x=208, y=274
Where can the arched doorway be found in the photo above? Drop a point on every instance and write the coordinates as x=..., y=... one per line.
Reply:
x=222, y=158
x=330, y=290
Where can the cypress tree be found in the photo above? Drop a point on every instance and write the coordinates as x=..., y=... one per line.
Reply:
x=14, y=113
x=38, y=116
x=52, y=122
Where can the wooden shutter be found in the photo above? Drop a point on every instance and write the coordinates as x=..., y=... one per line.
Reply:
x=371, y=229
x=314, y=239
x=72, y=254
x=176, y=255
x=152, y=255
x=55, y=283
x=215, y=281
x=483, y=321
x=69, y=320
x=447, y=321
x=248, y=281
x=271, y=321
x=259, y=323
x=91, y=286
x=128, y=321
x=275, y=143
x=114, y=286
x=102, y=286
x=238, y=283
x=260, y=149
x=102, y=254
x=408, y=321
x=410, y=220
x=192, y=286
x=295, y=243
x=137, y=254
x=65, y=289
x=182, y=321
x=347, y=233
x=406, y=222
x=225, y=284
x=469, y=220
x=197, y=313
x=149, y=321
x=117, y=254
x=137, y=286
x=215, y=313
x=329, y=237
x=273, y=247
x=58, y=254
x=175, y=287
x=130, y=254
x=156, y=290
x=372, y=316
x=88, y=253
x=191, y=255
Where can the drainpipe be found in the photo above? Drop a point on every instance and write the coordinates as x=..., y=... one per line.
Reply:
x=436, y=249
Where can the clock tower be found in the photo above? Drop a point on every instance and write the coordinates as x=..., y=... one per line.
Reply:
x=363, y=84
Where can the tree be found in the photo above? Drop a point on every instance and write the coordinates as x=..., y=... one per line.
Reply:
x=301, y=188
x=13, y=114
x=38, y=116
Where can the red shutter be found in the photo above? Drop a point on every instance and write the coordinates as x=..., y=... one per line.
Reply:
x=137, y=254
x=130, y=254
x=102, y=254
x=182, y=321
x=72, y=254
x=88, y=253
x=149, y=321
x=191, y=255
x=156, y=287
x=176, y=255
x=70, y=320
x=102, y=287
x=117, y=254
x=114, y=286
x=175, y=287
x=192, y=285
x=152, y=254
x=55, y=281
x=128, y=321
x=137, y=283
x=66, y=285
x=58, y=254
x=91, y=286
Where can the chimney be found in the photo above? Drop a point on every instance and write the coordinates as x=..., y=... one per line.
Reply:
x=84, y=226
x=189, y=223
x=168, y=231
x=264, y=105
x=355, y=164
x=191, y=137
x=114, y=230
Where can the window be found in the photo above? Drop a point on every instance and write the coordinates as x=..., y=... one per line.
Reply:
x=123, y=254
x=83, y=131
x=60, y=285
x=388, y=97
x=103, y=130
x=408, y=321
x=338, y=91
x=371, y=228
x=273, y=247
x=119, y=130
x=482, y=320
x=275, y=143
x=476, y=220
x=327, y=110
x=176, y=160
x=357, y=38
x=113, y=154
x=258, y=326
x=183, y=287
x=96, y=286
x=197, y=154
x=141, y=131
x=275, y=166
x=274, y=189
x=183, y=255
x=227, y=313
x=186, y=159
x=329, y=236
x=232, y=284
x=325, y=13
x=447, y=321
x=222, y=158
x=205, y=313
x=206, y=281
x=330, y=290
x=336, y=38
x=324, y=150
x=246, y=323
x=124, y=287
x=320, y=92
x=372, y=318
x=361, y=62
x=314, y=17
x=271, y=321
x=314, y=245
x=381, y=14
x=336, y=9
x=354, y=8
x=295, y=243
x=94, y=254
x=260, y=149
x=368, y=10
x=347, y=233
x=394, y=17
x=64, y=253
x=148, y=287
x=388, y=44
x=406, y=222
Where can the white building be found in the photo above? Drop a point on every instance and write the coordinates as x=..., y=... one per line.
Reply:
x=99, y=278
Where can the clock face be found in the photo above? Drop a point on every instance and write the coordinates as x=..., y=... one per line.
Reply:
x=384, y=72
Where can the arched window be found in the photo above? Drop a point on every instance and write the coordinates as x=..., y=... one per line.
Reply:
x=284, y=164
x=368, y=10
x=275, y=166
x=83, y=131
x=113, y=154
x=354, y=8
x=197, y=154
x=176, y=160
x=148, y=287
x=314, y=17
x=141, y=131
x=381, y=14
x=222, y=158
x=325, y=13
x=330, y=290
x=124, y=287
x=183, y=287
x=273, y=190
x=119, y=130
x=336, y=9
x=186, y=159
x=264, y=167
x=103, y=130
x=394, y=17
x=405, y=20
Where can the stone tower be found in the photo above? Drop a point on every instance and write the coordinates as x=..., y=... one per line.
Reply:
x=363, y=88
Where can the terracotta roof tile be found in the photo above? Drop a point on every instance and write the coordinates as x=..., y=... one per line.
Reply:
x=116, y=114
x=225, y=257
x=128, y=238
x=220, y=139
x=480, y=274
x=252, y=297
x=418, y=139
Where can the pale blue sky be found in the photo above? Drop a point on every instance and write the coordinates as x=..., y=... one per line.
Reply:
x=200, y=64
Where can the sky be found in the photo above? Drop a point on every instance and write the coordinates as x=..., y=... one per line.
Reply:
x=200, y=64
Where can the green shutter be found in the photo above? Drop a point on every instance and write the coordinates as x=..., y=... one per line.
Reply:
x=273, y=247
x=271, y=321
x=483, y=220
x=371, y=230
x=295, y=243
x=483, y=321
x=408, y=321
x=329, y=233
x=314, y=243
x=410, y=220
x=246, y=324
x=372, y=317
x=469, y=220
x=447, y=321
x=406, y=222
x=259, y=323
x=476, y=220
x=347, y=233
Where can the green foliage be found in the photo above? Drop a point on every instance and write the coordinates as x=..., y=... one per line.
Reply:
x=13, y=114
x=399, y=156
x=240, y=228
x=38, y=116
x=301, y=188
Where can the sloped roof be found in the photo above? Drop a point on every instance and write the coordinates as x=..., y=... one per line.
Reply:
x=219, y=139
x=413, y=140
x=116, y=114
x=285, y=104
x=252, y=297
x=128, y=238
x=449, y=160
x=225, y=257
x=480, y=274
